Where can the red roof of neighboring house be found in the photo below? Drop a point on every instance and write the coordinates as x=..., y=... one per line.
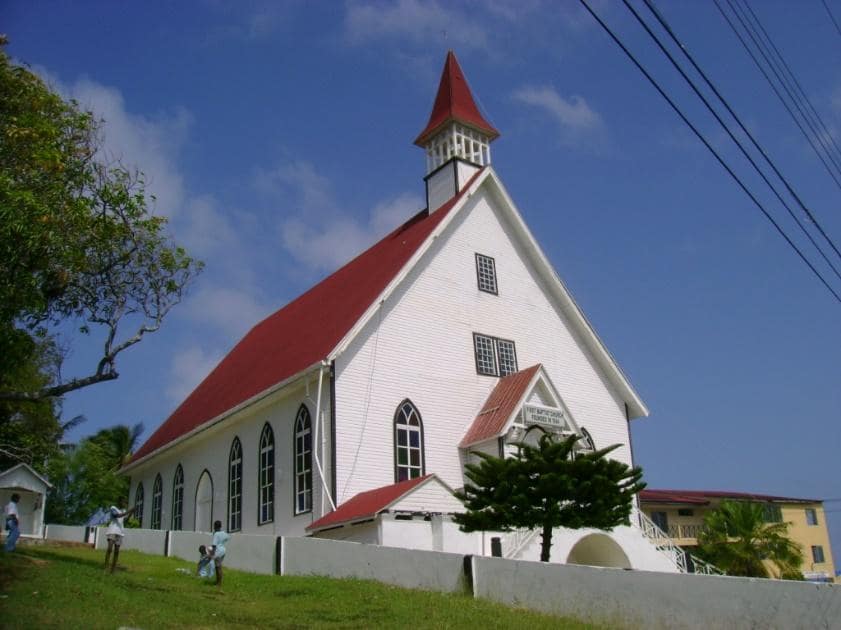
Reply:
x=303, y=332
x=367, y=504
x=454, y=102
x=499, y=406
x=702, y=497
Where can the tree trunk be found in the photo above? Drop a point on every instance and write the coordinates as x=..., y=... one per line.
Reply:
x=546, y=543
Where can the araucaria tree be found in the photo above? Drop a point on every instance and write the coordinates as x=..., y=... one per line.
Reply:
x=551, y=484
x=738, y=539
x=78, y=246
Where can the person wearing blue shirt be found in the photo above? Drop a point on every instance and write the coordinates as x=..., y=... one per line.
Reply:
x=220, y=539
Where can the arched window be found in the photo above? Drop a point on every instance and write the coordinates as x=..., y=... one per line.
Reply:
x=138, y=504
x=266, y=513
x=177, y=498
x=157, y=501
x=303, y=461
x=235, y=487
x=408, y=442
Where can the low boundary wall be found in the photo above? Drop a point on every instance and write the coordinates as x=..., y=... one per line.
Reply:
x=656, y=600
x=151, y=541
x=429, y=570
x=253, y=553
x=69, y=533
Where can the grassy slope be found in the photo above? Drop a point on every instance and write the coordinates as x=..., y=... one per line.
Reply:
x=66, y=587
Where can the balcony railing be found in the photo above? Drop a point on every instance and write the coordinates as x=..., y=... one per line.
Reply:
x=685, y=531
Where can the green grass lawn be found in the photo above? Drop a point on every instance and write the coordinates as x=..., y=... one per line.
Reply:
x=54, y=586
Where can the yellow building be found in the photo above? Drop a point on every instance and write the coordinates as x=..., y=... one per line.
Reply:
x=680, y=514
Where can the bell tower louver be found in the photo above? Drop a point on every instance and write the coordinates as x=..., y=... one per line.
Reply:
x=456, y=139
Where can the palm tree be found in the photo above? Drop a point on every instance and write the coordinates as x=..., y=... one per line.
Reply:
x=120, y=441
x=737, y=539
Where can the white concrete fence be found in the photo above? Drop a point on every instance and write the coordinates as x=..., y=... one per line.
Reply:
x=614, y=597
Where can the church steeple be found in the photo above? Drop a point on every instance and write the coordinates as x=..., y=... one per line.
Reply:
x=457, y=134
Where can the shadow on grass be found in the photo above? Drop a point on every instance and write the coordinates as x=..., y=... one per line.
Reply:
x=95, y=563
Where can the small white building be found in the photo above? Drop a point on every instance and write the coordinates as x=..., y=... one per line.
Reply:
x=351, y=412
x=32, y=489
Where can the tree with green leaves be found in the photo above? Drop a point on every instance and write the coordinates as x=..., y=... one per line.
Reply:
x=737, y=539
x=79, y=248
x=548, y=485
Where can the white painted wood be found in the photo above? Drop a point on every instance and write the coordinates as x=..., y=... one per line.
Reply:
x=431, y=496
x=441, y=186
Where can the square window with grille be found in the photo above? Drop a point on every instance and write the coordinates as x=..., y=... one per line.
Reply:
x=811, y=516
x=494, y=357
x=486, y=273
x=817, y=553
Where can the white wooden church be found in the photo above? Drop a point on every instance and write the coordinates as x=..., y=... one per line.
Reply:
x=351, y=412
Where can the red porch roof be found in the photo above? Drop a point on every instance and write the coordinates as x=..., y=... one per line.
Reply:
x=301, y=333
x=367, y=504
x=499, y=406
x=454, y=102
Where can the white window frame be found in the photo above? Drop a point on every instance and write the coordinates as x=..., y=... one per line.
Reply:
x=409, y=458
x=265, y=510
x=303, y=461
x=235, y=486
x=139, y=499
x=157, y=502
x=496, y=347
x=486, y=274
x=178, y=499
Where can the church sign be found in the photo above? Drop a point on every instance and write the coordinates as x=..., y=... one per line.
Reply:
x=544, y=416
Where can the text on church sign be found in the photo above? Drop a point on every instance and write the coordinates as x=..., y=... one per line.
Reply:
x=545, y=416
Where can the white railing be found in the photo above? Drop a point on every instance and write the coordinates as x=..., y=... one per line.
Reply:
x=518, y=540
x=662, y=541
x=705, y=568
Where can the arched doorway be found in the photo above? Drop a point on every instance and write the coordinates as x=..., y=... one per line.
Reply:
x=598, y=550
x=204, y=503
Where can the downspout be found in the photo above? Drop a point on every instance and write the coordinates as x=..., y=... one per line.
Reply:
x=317, y=443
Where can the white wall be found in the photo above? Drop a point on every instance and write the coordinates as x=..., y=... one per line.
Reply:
x=639, y=599
x=420, y=346
x=429, y=570
x=210, y=450
x=255, y=554
x=71, y=533
x=151, y=541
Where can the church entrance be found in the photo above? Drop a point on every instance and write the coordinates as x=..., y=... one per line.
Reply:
x=204, y=503
x=598, y=550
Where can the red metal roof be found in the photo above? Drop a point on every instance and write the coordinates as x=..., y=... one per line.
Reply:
x=499, y=406
x=702, y=497
x=303, y=332
x=367, y=504
x=454, y=102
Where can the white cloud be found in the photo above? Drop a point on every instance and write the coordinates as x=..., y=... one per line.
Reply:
x=150, y=144
x=413, y=20
x=189, y=367
x=232, y=311
x=571, y=114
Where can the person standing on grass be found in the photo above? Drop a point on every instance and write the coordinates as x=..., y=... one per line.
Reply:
x=220, y=539
x=115, y=533
x=12, y=524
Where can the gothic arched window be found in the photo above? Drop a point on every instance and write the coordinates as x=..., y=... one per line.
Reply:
x=303, y=461
x=408, y=442
x=177, y=498
x=235, y=487
x=138, y=504
x=266, y=477
x=157, y=502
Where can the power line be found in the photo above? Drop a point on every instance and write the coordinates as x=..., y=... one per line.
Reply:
x=700, y=136
x=662, y=20
x=825, y=135
x=775, y=89
x=831, y=17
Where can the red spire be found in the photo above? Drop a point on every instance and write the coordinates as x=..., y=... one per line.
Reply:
x=454, y=102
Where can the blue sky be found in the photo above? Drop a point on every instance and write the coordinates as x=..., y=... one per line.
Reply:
x=277, y=136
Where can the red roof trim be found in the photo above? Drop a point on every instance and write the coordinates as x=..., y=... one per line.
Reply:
x=366, y=505
x=500, y=404
x=700, y=497
x=454, y=102
x=303, y=332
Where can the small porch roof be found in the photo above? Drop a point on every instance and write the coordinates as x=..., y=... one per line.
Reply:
x=23, y=477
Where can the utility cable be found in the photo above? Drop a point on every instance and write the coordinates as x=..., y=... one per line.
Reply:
x=776, y=91
x=802, y=93
x=831, y=17
x=706, y=143
x=662, y=20
x=760, y=46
